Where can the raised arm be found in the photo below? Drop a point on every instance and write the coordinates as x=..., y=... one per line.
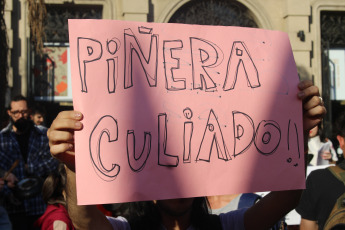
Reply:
x=270, y=209
x=61, y=142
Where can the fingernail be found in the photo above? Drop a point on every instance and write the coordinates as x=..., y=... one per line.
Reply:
x=70, y=147
x=301, y=94
x=77, y=115
x=78, y=124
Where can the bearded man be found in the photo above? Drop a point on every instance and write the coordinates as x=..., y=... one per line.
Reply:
x=24, y=148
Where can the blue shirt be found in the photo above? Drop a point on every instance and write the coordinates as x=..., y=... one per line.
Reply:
x=39, y=163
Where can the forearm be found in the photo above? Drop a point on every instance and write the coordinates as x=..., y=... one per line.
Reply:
x=308, y=225
x=275, y=205
x=83, y=216
x=270, y=209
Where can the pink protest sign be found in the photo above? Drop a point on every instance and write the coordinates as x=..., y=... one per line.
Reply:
x=174, y=110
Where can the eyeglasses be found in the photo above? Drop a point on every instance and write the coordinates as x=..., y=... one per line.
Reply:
x=17, y=112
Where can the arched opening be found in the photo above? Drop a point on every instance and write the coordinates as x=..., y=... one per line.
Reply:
x=214, y=12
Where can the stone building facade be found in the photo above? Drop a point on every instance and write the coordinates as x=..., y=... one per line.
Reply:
x=302, y=20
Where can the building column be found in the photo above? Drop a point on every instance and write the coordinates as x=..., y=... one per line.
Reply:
x=297, y=25
x=134, y=10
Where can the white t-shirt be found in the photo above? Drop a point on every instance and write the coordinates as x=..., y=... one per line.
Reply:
x=232, y=220
x=316, y=147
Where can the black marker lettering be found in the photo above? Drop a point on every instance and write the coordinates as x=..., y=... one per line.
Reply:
x=240, y=57
x=106, y=125
x=89, y=50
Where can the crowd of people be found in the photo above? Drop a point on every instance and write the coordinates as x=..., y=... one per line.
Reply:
x=25, y=157
x=38, y=189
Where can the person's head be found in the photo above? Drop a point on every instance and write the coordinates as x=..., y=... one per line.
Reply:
x=37, y=114
x=53, y=189
x=19, y=114
x=340, y=131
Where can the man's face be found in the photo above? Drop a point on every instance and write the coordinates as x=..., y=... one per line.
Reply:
x=19, y=116
x=19, y=109
x=37, y=118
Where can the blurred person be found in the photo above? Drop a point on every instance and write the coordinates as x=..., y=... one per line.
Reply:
x=321, y=149
x=187, y=213
x=5, y=121
x=322, y=189
x=38, y=114
x=5, y=223
x=23, y=142
x=54, y=192
x=226, y=203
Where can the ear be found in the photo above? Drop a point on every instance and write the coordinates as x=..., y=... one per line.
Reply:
x=9, y=112
x=341, y=141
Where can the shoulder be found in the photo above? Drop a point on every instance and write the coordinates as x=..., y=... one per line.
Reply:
x=319, y=178
x=40, y=132
x=58, y=211
x=6, y=135
x=55, y=216
x=233, y=219
x=321, y=185
x=316, y=174
x=119, y=223
x=40, y=129
x=7, y=129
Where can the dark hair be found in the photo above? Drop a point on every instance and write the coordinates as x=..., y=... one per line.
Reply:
x=339, y=127
x=54, y=185
x=145, y=215
x=38, y=109
x=322, y=133
x=17, y=98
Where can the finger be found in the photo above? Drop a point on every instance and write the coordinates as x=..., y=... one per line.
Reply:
x=63, y=124
x=66, y=120
x=318, y=111
x=326, y=157
x=308, y=92
x=57, y=136
x=61, y=148
x=305, y=84
x=312, y=102
x=76, y=115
